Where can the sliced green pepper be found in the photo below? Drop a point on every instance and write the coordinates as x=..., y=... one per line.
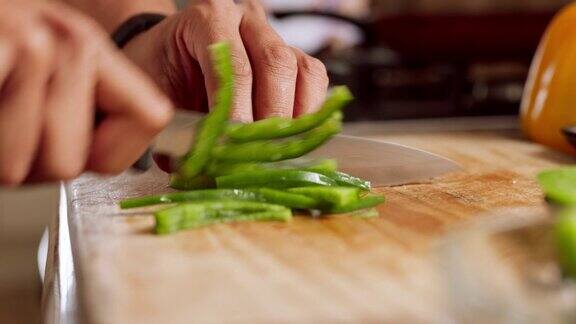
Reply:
x=194, y=215
x=322, y=166
x=196, y=195
x=362, y=203
x=559, y=185
x=288, y=199
x=278, y=150
x=565, y=232
x=277, y=127
x=227, y=168
x=274, y=179
x=343, y=179
x=212, y=126
x=266, y=195
x=329, y=197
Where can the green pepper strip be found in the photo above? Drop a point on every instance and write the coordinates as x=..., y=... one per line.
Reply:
x=559, y=185
x=329, y=197
x=194, y=215
x=322, y=166
x=287, y=199
x=212, y=126
x=277, y=127
x=346, y=180
x=199, y=195
x=226, y=168
x=271, y=150
x=265, y=195
x=565, y=233
x=274, y=179
x=362, y=203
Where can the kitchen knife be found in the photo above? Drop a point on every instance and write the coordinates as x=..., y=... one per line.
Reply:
x=382, y=163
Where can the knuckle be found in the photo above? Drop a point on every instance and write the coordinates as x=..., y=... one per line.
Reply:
x=256, y=7
x=242, y=67
x=86, y=26
x=86, y=49
x=241, y=115
x=217, y=5
x=84, y=31
x=280, y=59
x=84, y=37
x=314, y=67
x=35, y=45
x=278, y=112
x=199, y=13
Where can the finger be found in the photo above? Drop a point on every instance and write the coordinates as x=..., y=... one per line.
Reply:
x=311, y=84
x=275, y=68
x=21, y=101
x=242, y=103
x=7, y=59
x=135, y=110
x=68, y=119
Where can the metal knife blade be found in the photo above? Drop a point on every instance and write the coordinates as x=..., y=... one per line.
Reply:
x=383, y=163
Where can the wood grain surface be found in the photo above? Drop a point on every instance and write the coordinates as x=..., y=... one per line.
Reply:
x=340, y=269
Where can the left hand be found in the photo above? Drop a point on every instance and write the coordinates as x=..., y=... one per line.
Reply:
x=271, y=78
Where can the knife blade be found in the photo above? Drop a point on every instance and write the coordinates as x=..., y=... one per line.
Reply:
x=383, y=163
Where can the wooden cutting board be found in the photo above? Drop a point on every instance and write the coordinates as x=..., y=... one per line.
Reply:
x=334, y=270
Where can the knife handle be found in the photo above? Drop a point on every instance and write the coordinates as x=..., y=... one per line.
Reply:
x=144, y=162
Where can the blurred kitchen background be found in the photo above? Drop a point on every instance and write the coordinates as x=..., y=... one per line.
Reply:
x=402, y=59
x=421, y=58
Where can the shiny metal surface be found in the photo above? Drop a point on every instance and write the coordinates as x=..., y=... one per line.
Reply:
x=382, y=163
x=59, y=300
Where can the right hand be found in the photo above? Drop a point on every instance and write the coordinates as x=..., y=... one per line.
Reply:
x=56, y=66
x=270, y=77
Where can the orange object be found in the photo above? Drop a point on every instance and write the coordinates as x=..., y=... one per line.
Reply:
x=549, y=102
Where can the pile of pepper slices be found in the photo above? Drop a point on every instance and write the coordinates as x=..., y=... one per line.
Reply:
x=253, y=172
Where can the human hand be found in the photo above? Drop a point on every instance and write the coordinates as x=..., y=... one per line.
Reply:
x=55, y=67
x=271, y=78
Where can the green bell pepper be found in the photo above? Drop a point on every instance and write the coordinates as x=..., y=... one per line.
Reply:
x=274, y=179
x=346, y=180
x=366, y=202
x=559, y=185
x=195, y=215
x=277, y=127
x=278, y=150
x=227, y=168
x=212, y=126
x=329, y=197
x=565, y=233
x=265, y=195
